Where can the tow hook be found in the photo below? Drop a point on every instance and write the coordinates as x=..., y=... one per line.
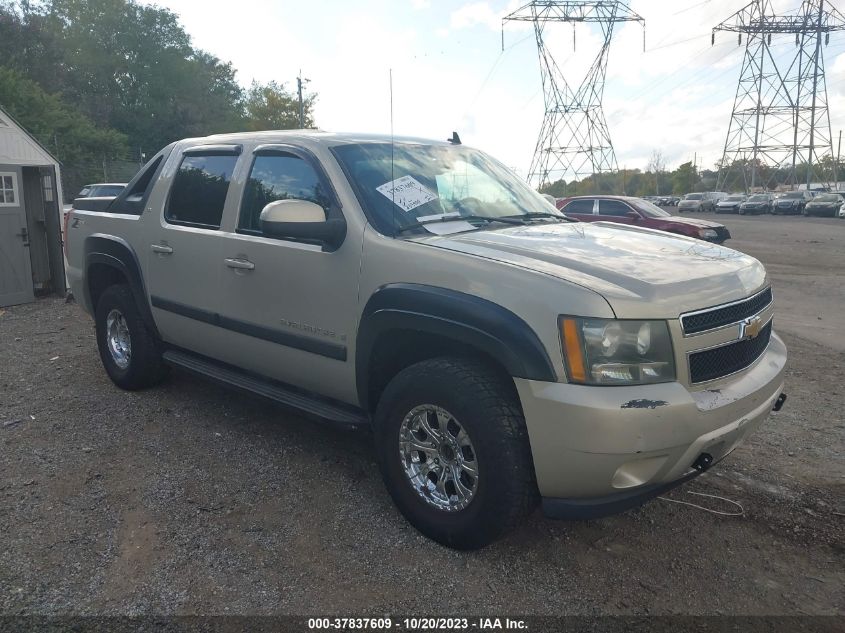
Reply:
x=778, y=405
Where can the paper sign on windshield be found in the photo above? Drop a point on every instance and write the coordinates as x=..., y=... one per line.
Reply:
x=407, y=192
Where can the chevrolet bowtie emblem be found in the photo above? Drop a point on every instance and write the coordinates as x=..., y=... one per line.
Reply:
x=749, y=328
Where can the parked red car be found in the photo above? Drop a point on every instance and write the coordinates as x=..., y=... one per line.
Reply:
x=639, y=212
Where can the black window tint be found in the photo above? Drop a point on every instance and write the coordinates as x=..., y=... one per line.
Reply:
x=199, y=190
x=579, y=206
x=615, y=208
x=279, y=177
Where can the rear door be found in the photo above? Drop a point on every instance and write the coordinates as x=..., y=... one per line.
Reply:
x=184, y=260
x=583, y=209
x=15, y=267
x=615, y=211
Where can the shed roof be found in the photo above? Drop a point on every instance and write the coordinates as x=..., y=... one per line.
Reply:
x=19, y=147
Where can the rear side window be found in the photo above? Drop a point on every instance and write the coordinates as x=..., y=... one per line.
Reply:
x=579, y=206
x=615, y=208
x=279, y=177
x=199, y=190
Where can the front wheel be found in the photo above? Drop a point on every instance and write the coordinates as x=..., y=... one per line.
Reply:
x=454, y=451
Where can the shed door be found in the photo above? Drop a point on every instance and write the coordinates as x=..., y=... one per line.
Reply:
x=15, y=267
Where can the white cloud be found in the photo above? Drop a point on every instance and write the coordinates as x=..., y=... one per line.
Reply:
x=421, y=4
x=477, y=13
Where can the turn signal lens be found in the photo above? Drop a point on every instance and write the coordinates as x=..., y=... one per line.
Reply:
x=574, y=353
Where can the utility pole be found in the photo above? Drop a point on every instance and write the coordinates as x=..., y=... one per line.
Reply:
x=574, y=141
x=780, y=115
x=838, y=153
x=299, y=82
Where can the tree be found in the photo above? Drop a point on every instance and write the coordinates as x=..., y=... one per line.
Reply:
x=124, y=65
x=73, y=138
x=656, y=165
x=271, y=107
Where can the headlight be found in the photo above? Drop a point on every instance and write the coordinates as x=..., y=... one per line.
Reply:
x=611, y=352
x=706, y=233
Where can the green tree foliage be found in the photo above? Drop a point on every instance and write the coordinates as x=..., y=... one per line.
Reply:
x=272, y=107
x=131, y=67
x=48, y=119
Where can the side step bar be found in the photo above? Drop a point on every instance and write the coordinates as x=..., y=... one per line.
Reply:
x=334, y=413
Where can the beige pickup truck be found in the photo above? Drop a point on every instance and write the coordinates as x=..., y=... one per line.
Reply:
x=502, y=354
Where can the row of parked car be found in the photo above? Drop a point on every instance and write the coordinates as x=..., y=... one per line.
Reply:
x=830, y=204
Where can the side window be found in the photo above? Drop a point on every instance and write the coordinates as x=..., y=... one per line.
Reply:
x=582, y=206
x=615, y=208
x=8, y=190
x=279, y=177
x=199, y=190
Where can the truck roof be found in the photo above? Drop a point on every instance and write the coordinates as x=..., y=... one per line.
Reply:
x=320, y=137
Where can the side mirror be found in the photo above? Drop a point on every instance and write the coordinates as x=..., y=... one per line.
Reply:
x=633, y=215
x=301, y=220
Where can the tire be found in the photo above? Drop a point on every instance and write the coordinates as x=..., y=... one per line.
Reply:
x=139, y=364
x=456, y=394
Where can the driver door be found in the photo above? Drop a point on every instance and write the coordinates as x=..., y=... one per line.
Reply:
x=288, y=307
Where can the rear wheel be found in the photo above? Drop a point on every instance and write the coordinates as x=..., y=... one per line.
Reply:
x=454, y=452
x=129, y=351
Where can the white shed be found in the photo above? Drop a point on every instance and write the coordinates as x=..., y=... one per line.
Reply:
x=31, y=256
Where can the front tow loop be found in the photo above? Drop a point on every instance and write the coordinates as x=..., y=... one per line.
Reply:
x=778, y=405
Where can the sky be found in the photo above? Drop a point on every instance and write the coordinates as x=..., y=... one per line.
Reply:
x=450, y=72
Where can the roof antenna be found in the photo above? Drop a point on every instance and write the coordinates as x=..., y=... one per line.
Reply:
x=455, y=140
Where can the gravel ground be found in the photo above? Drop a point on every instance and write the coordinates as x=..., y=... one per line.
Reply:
x=186, y=499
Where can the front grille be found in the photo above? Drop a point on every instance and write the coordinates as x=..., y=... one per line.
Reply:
x=728, y=359
x=734, y=313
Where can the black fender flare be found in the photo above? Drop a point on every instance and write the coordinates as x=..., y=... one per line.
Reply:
x=465, y=318
x=117, y=253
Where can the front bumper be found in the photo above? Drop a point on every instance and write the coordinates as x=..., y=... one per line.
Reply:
x=601, y=450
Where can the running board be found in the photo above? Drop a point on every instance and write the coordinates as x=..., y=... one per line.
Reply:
x=334, y=413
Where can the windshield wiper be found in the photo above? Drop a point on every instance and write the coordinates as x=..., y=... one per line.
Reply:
x=542, y=214
x=458, y=218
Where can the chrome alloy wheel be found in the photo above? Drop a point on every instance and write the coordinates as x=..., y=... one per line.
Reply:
x=438, y=458
x=117, y=337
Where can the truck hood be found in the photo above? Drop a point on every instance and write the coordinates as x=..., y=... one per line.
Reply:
x=640, y=272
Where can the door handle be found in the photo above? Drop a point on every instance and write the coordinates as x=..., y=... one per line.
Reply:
x=242, y=264
x=24, y=235
x=159, y=248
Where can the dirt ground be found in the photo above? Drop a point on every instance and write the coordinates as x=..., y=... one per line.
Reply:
x=187, y=499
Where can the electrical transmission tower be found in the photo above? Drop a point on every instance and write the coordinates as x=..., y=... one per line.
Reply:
x=780, y=118
x=574, y=140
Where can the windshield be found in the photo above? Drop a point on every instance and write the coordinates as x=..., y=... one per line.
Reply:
x=734, y=199
x=649, y=210
x=758, y=198
x=793, y=194
x=424, y=182
x=693, y=196
x=829, y=197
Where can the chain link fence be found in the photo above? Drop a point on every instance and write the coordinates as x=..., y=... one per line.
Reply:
x=76, y=175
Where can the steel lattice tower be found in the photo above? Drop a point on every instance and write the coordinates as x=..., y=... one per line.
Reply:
x=574, y=140
x=780, y=117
